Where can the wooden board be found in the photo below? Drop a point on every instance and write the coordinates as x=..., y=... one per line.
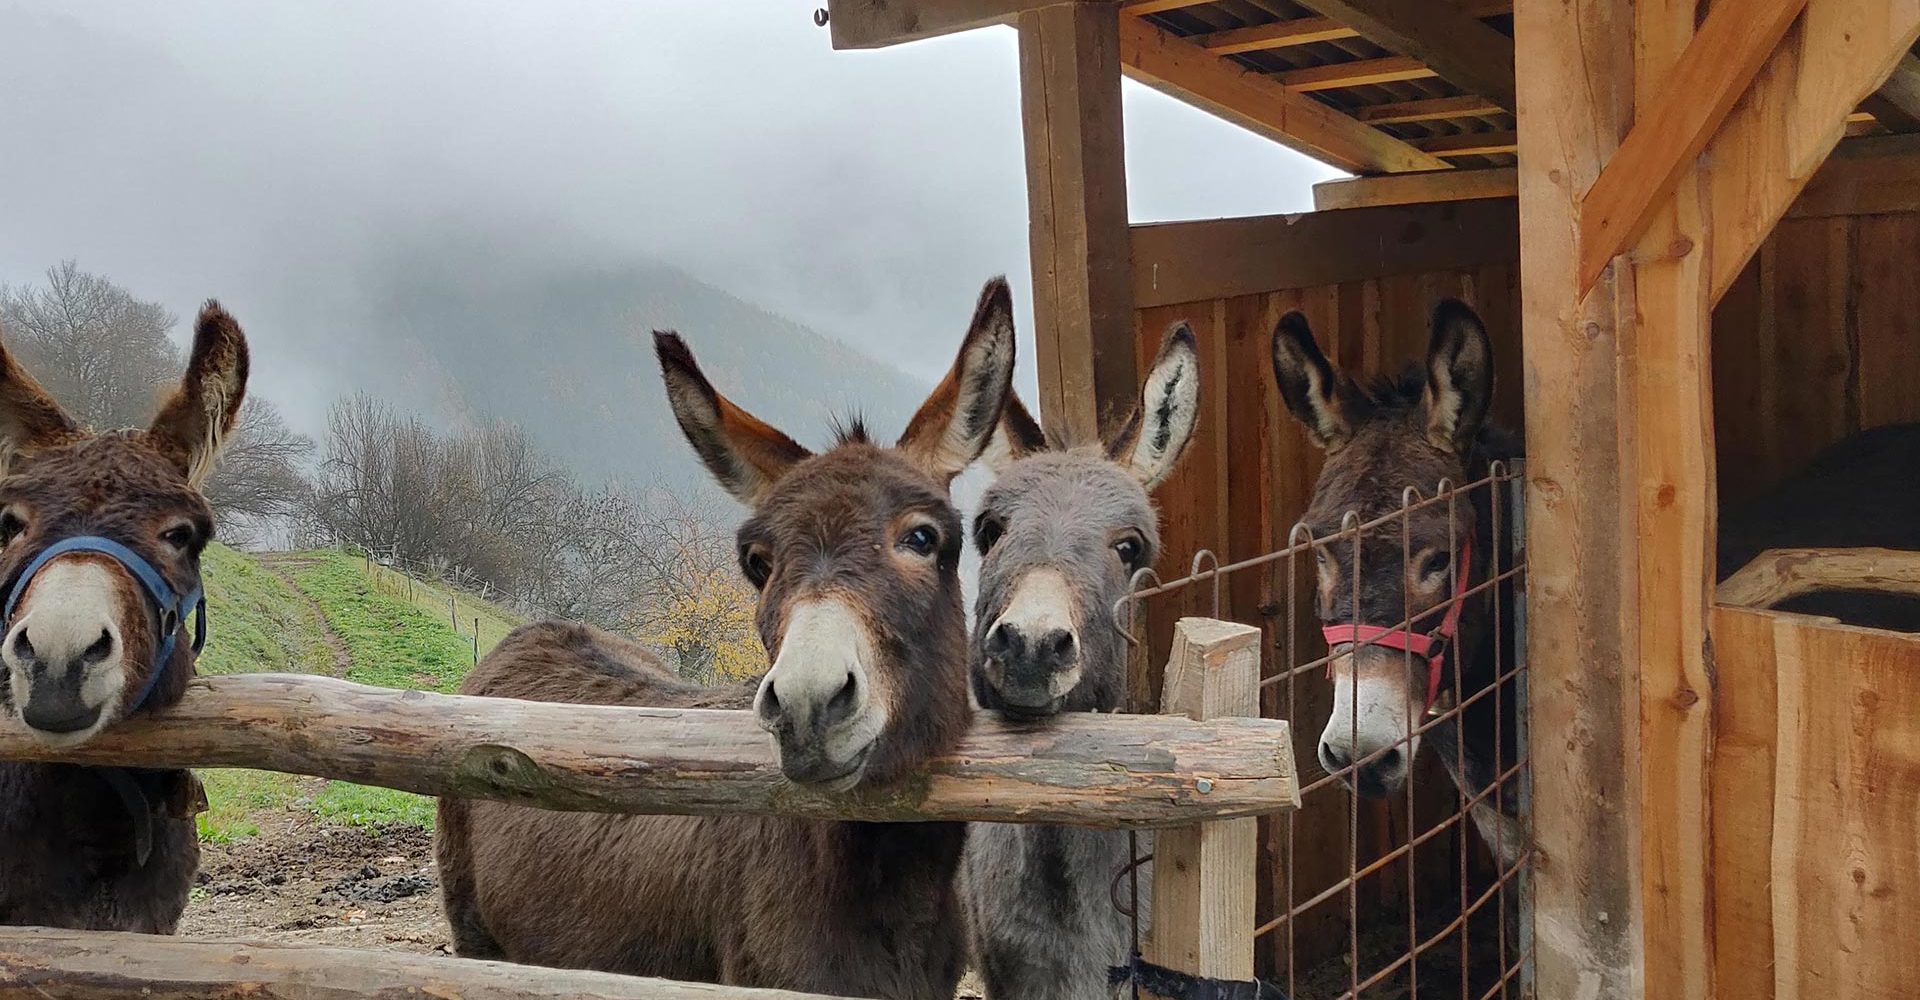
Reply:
x=1742, y=775
x=1846, y=845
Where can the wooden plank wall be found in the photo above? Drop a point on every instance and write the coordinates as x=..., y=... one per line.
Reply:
x=1249, y=474
x=1816, y=792
x=1818, y=338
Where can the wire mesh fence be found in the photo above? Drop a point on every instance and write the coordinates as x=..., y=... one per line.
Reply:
x=1395, y=650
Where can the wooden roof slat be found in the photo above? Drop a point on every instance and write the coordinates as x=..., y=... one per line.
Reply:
x=1465, y=52
x=1278, y=35
x=1716, y=68
x=1261, y=103
x=1422, y=188
x=1142, y=7
x=1427, y=110
x=1470, y=143
x=1897, y=103
x=1356, y=73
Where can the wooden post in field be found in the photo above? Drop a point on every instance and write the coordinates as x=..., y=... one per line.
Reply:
x=476, y=641
x=1077, y=197
x=1203, y=876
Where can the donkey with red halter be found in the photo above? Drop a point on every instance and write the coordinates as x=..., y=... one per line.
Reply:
x=855, y=552
x=1061, y=533
x=102, y=536
x=1412, y=621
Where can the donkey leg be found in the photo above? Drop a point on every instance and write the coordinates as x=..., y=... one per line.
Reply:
x=452, y=854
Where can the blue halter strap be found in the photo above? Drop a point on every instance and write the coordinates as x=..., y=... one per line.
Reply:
x=168, y=606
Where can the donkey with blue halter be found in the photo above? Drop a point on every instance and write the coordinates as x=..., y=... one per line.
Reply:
x=100, y=542
x=1061, y=533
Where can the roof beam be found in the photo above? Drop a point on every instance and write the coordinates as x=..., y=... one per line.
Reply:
x=1261, y=104
x=1278, y=35
x=872, y=24
x=1716, y=68
x=1470, y=143
x=1897, y=103
x=1355, y=73
x=1430, y=109
x=1416, y=189
x=1465, y=52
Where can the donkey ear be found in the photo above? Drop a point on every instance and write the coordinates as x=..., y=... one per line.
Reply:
x=29, y=418
x=195, y=420
x=1018, y=436
x=1459, y=376
x=1308, y=384
x=1150, y=442
x=956, y=422
x=745, y=454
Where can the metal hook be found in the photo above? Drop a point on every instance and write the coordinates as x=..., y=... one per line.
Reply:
x=1131, y=601
x=1193, y=572
x=820, y=17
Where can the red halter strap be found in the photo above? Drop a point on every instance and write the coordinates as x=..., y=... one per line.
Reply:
x=1430, y=646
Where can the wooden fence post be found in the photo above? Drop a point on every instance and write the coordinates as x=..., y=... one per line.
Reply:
x=1203, y=876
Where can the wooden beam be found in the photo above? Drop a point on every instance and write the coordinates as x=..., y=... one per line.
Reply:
x=1778, y=575
x=1260, y=103
x=1355, y=73
x=1278, y=35
x=1203, y=876
x=1426, y=110
x=1670, y=132
x=1077, y=212
x=1091, y=770
x=1794, y=115
x=1468, y=54
x=1897, y=103
x=1876, y=175
x=1139, y=8
x=1416, y=189
x=1575, y=75
x=872, y=24
x=1470, y=143
x=1180, y=262
x=109, y=965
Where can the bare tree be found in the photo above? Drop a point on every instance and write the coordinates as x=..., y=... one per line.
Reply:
x=260, y=481
x=103, y=353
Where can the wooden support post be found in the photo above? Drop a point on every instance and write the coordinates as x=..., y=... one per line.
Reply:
x=1204, y=876
x=1575, y=76
x=1086, y=769
x=1077, y=211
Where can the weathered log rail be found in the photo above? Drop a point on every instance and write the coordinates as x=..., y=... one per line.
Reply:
x=39, y=962
x=1779, y=575
x=1082, y=769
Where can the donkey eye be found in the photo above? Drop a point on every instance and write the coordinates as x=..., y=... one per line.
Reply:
x=1435, y=564
x=10, y=528
x=180, y=537
x=987, y=532
x=922, y=540
x=756, y=566
x=1129, y=549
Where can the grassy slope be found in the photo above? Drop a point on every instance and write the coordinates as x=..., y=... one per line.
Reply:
x=262, y=623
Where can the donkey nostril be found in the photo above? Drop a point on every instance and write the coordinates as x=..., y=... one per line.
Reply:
x=768, y=704
x=101, y=647
x=999, y=642
x=1060, y=646
x=844, y=700
x=1334, y=756
x=1390, y=760
x=21, y=647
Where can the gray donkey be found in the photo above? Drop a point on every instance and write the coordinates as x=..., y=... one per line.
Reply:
x=1061, y=533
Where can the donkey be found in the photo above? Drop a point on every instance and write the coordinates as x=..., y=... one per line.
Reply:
x=1380, y=437
x=855, y=554
x=1061, y=533
x=100, y=541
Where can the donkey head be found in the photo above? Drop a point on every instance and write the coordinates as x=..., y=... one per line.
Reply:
x=855, y=552
x=102, y=535
x=1380, y=438
x=1061, y=533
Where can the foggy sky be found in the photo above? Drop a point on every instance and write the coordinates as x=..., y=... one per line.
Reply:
x=250, y=151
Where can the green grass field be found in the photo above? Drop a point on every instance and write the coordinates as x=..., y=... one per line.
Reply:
x=328, y=612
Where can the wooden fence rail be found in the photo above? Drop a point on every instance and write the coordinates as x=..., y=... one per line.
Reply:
x=40, y=962
x=1082, y=769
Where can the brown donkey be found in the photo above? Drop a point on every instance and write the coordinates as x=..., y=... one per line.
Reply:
x=1381, y=437
x=102, y=535
x=855, y=552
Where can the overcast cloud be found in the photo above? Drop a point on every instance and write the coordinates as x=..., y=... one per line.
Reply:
x=190, y=148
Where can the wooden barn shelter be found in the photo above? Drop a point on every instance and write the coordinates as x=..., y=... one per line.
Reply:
x=1692, y=228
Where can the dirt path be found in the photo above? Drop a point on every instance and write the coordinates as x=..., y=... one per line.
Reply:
x=282, y=565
